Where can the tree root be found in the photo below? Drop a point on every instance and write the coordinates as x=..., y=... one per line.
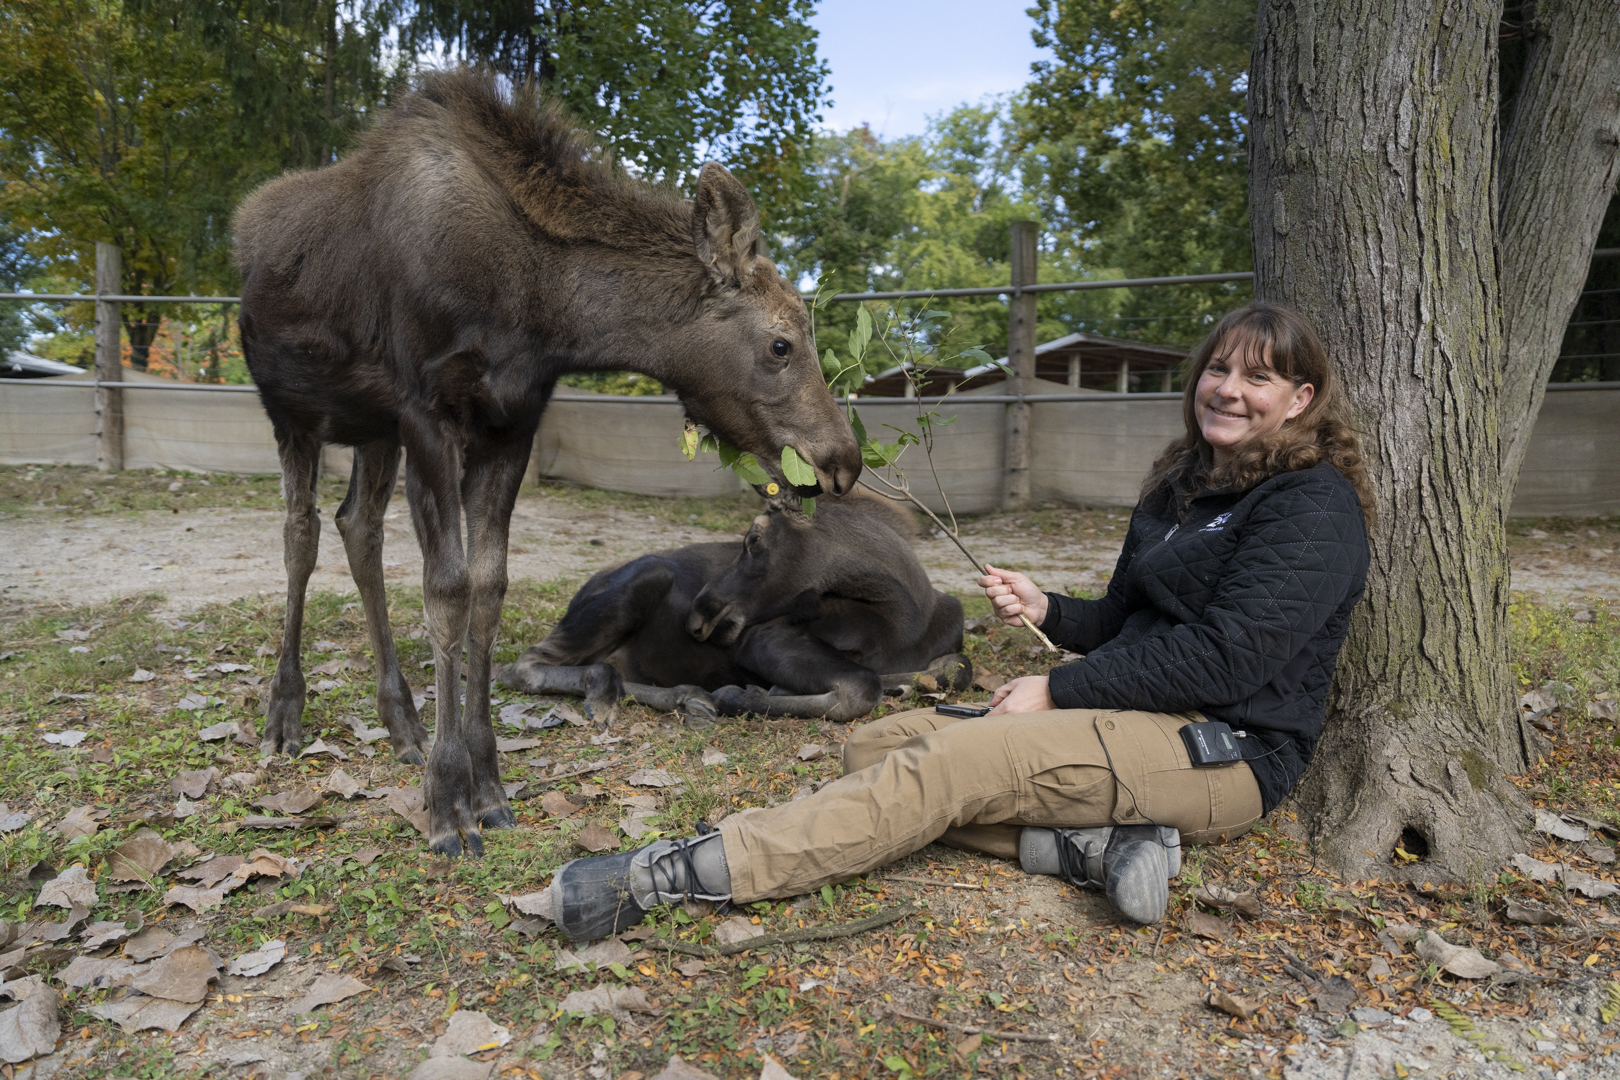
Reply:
x=968, y=1029
x=792, y=937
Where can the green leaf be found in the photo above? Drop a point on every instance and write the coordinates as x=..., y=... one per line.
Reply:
x=691, y=440
x=709, y=445
x=977, y=354
x=755, y=976
x=808, y=506
x=830, y=368
x=796, y=469
x=859, y=428
x=620, y=970
x=861, y=335
x=747, y=467
x=827, y=895
x=728, y=453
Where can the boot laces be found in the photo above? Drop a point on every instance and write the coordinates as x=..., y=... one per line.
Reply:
x=1072, y=863
x=681, y=853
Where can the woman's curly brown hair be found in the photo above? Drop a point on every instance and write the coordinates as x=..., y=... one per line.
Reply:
x=1321, y=433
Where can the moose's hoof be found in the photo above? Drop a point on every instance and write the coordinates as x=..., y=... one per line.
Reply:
x=409, y=755
x=499, y=817
x=450, y=845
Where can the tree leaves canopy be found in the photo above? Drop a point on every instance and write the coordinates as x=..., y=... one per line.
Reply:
x=667, y=83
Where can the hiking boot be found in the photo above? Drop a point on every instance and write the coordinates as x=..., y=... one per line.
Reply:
x=592, y=898
x=1131, y=864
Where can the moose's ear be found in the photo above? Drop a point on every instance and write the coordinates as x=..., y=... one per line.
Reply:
x=725, y=225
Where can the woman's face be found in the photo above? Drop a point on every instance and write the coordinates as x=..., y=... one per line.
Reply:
x=1241, y=397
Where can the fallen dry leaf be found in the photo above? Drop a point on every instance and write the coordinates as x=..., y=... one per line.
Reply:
x=367, y=855
x=70, y=889
x=535, y=903
x=737, y=929
x=1553, y=825
x=1231, y=1005
x=138, y=1012
x=1206, y=925
x=594, y=838
x=812, y=752
x=215, y=732
x=140, y=857
x=12, y=820
x=263, y=863
x=80, y=821
x=1244, y=903
x=214, y=870
x=1532, y=915
x=65, y=928
x=155, y=941
x=600, y=955
x=31, y=1027
x=676, y=1069
x=98, y=934
x=987, y=680
x=183, y=975
x=692, y=968
x=1462, y=961
x=258, y=961
x=321, y=747
x=714, y=757
x=327, y=990
x=407, y=803
x=99, y=974
x=772, y=1070
x=452, y=1068
x=469, y=1032
x=193, y=783
x=617, y=1000
x=572, y=715
x=557, y=804
x=512, y=746
x=293, y=801
x=199, y=899
x=342, y=784
x=1587, y=885
x=650, y=778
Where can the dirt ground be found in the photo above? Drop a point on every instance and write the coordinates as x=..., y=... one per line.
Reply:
x=207, y=556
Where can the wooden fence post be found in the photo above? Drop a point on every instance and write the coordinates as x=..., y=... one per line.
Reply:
x=109, y=360
x=1021, y=358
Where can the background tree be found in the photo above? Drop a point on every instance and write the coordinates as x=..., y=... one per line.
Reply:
x=143, y=124
x=1395, y=206
x=667, y=83
x=1134, y=136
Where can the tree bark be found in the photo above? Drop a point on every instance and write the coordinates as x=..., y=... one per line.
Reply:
x=1560, y=152
x=1373, y=197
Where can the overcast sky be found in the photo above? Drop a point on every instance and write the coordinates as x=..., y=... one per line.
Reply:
x=895, y=63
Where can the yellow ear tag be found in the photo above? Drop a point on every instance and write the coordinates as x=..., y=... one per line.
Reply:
x=771, y=489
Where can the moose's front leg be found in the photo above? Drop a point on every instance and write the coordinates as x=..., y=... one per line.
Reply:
x=300, y=538
x=489, y=490
x=432, y=469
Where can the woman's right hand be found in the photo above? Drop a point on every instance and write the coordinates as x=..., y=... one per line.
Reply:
x=1011, y=594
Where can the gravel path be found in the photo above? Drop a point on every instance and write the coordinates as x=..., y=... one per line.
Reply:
x=201, y=557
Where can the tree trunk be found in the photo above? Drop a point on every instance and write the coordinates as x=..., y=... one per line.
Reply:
x=142, y=323
x=329, y=95
x=1560, y=150
x=1373, y=196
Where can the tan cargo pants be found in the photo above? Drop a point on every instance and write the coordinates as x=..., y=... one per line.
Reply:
x=917, y=776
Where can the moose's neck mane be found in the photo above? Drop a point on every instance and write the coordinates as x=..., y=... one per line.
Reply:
x=554, y=169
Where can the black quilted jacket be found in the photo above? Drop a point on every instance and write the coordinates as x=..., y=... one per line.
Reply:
x=1236, y=611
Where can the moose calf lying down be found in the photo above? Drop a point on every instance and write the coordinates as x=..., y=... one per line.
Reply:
x=826, y=610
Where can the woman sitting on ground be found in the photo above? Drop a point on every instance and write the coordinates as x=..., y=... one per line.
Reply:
x=1230, y=601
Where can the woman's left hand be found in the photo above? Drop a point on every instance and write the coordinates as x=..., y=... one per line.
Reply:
x=1032, y=693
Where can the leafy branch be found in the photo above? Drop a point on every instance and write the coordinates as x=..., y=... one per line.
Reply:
x=899, y=337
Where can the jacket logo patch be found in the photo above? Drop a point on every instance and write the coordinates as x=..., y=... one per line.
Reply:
x=1216, y=522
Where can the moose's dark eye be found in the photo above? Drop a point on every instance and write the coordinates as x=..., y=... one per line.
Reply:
x=780, y=349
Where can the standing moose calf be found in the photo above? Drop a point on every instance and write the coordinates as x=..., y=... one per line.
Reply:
x=427, y=291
